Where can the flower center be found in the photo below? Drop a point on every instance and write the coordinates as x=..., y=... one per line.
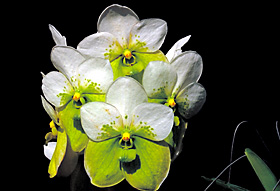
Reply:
x=126, y=142
x=126, y=136
x=171, y=102
x=76, y=97
x=128, y=59
x=127, y=54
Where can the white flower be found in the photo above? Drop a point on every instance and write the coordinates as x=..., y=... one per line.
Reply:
x=79, y=80
x=175, y=84
x=129, y=44
x=126, y=111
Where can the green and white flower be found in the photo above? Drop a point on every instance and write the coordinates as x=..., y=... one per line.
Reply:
x=175, y=84
x=61, y=162
x=129, y=44
x=79, y=81
x=126, y=136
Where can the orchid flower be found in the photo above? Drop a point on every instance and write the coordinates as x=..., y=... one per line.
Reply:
x=129, y=44
x=126, y=137
x=56, y=151
x=79, y=81
x=175, y=84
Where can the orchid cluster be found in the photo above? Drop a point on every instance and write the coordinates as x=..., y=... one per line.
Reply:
x=119, y=101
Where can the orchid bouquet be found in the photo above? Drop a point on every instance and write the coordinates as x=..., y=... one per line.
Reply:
x=119, y=101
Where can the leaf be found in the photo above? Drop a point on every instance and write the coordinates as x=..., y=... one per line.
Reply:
x=151, y=165
x=263, y=172
x=102, y=162
x=223, y=184
x=71, y=121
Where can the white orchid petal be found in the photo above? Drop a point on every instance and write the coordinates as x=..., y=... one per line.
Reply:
x=49, y=109
x=117, y=20
x=57, y=37
x=125, y=94
x=191, y=99
x=102, y=44
x=148, y=35
x=176, y=48
x=153, y=121
x=49, y=150
x=159, y=79
x=101, y=120
x=96, y=73
x=67, y=60
x=188, y=66
x=55, y=87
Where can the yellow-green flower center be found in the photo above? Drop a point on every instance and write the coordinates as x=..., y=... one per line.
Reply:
x=126, y=142
x=126, y=136
x=127, y=54
x=128, y=58
x=76, y=97
x=171, y=102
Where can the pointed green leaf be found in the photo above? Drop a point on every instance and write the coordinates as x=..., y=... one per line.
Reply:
x=263, y=172
x=151, y=165
x=59, y=152
x=225, y=185
x=71, y=121
x=102, y=162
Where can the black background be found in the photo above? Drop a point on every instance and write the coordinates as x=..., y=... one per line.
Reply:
x=239, y=46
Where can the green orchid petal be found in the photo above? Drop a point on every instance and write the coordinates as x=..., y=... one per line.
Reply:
x=102, y=162
x=70, y=120
x=127, y=155
x=94, y=97
x=120, y=69
x=140, y=63
x=69, y=162
x=151, y=165
x=146, y=58
x=59, y=153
